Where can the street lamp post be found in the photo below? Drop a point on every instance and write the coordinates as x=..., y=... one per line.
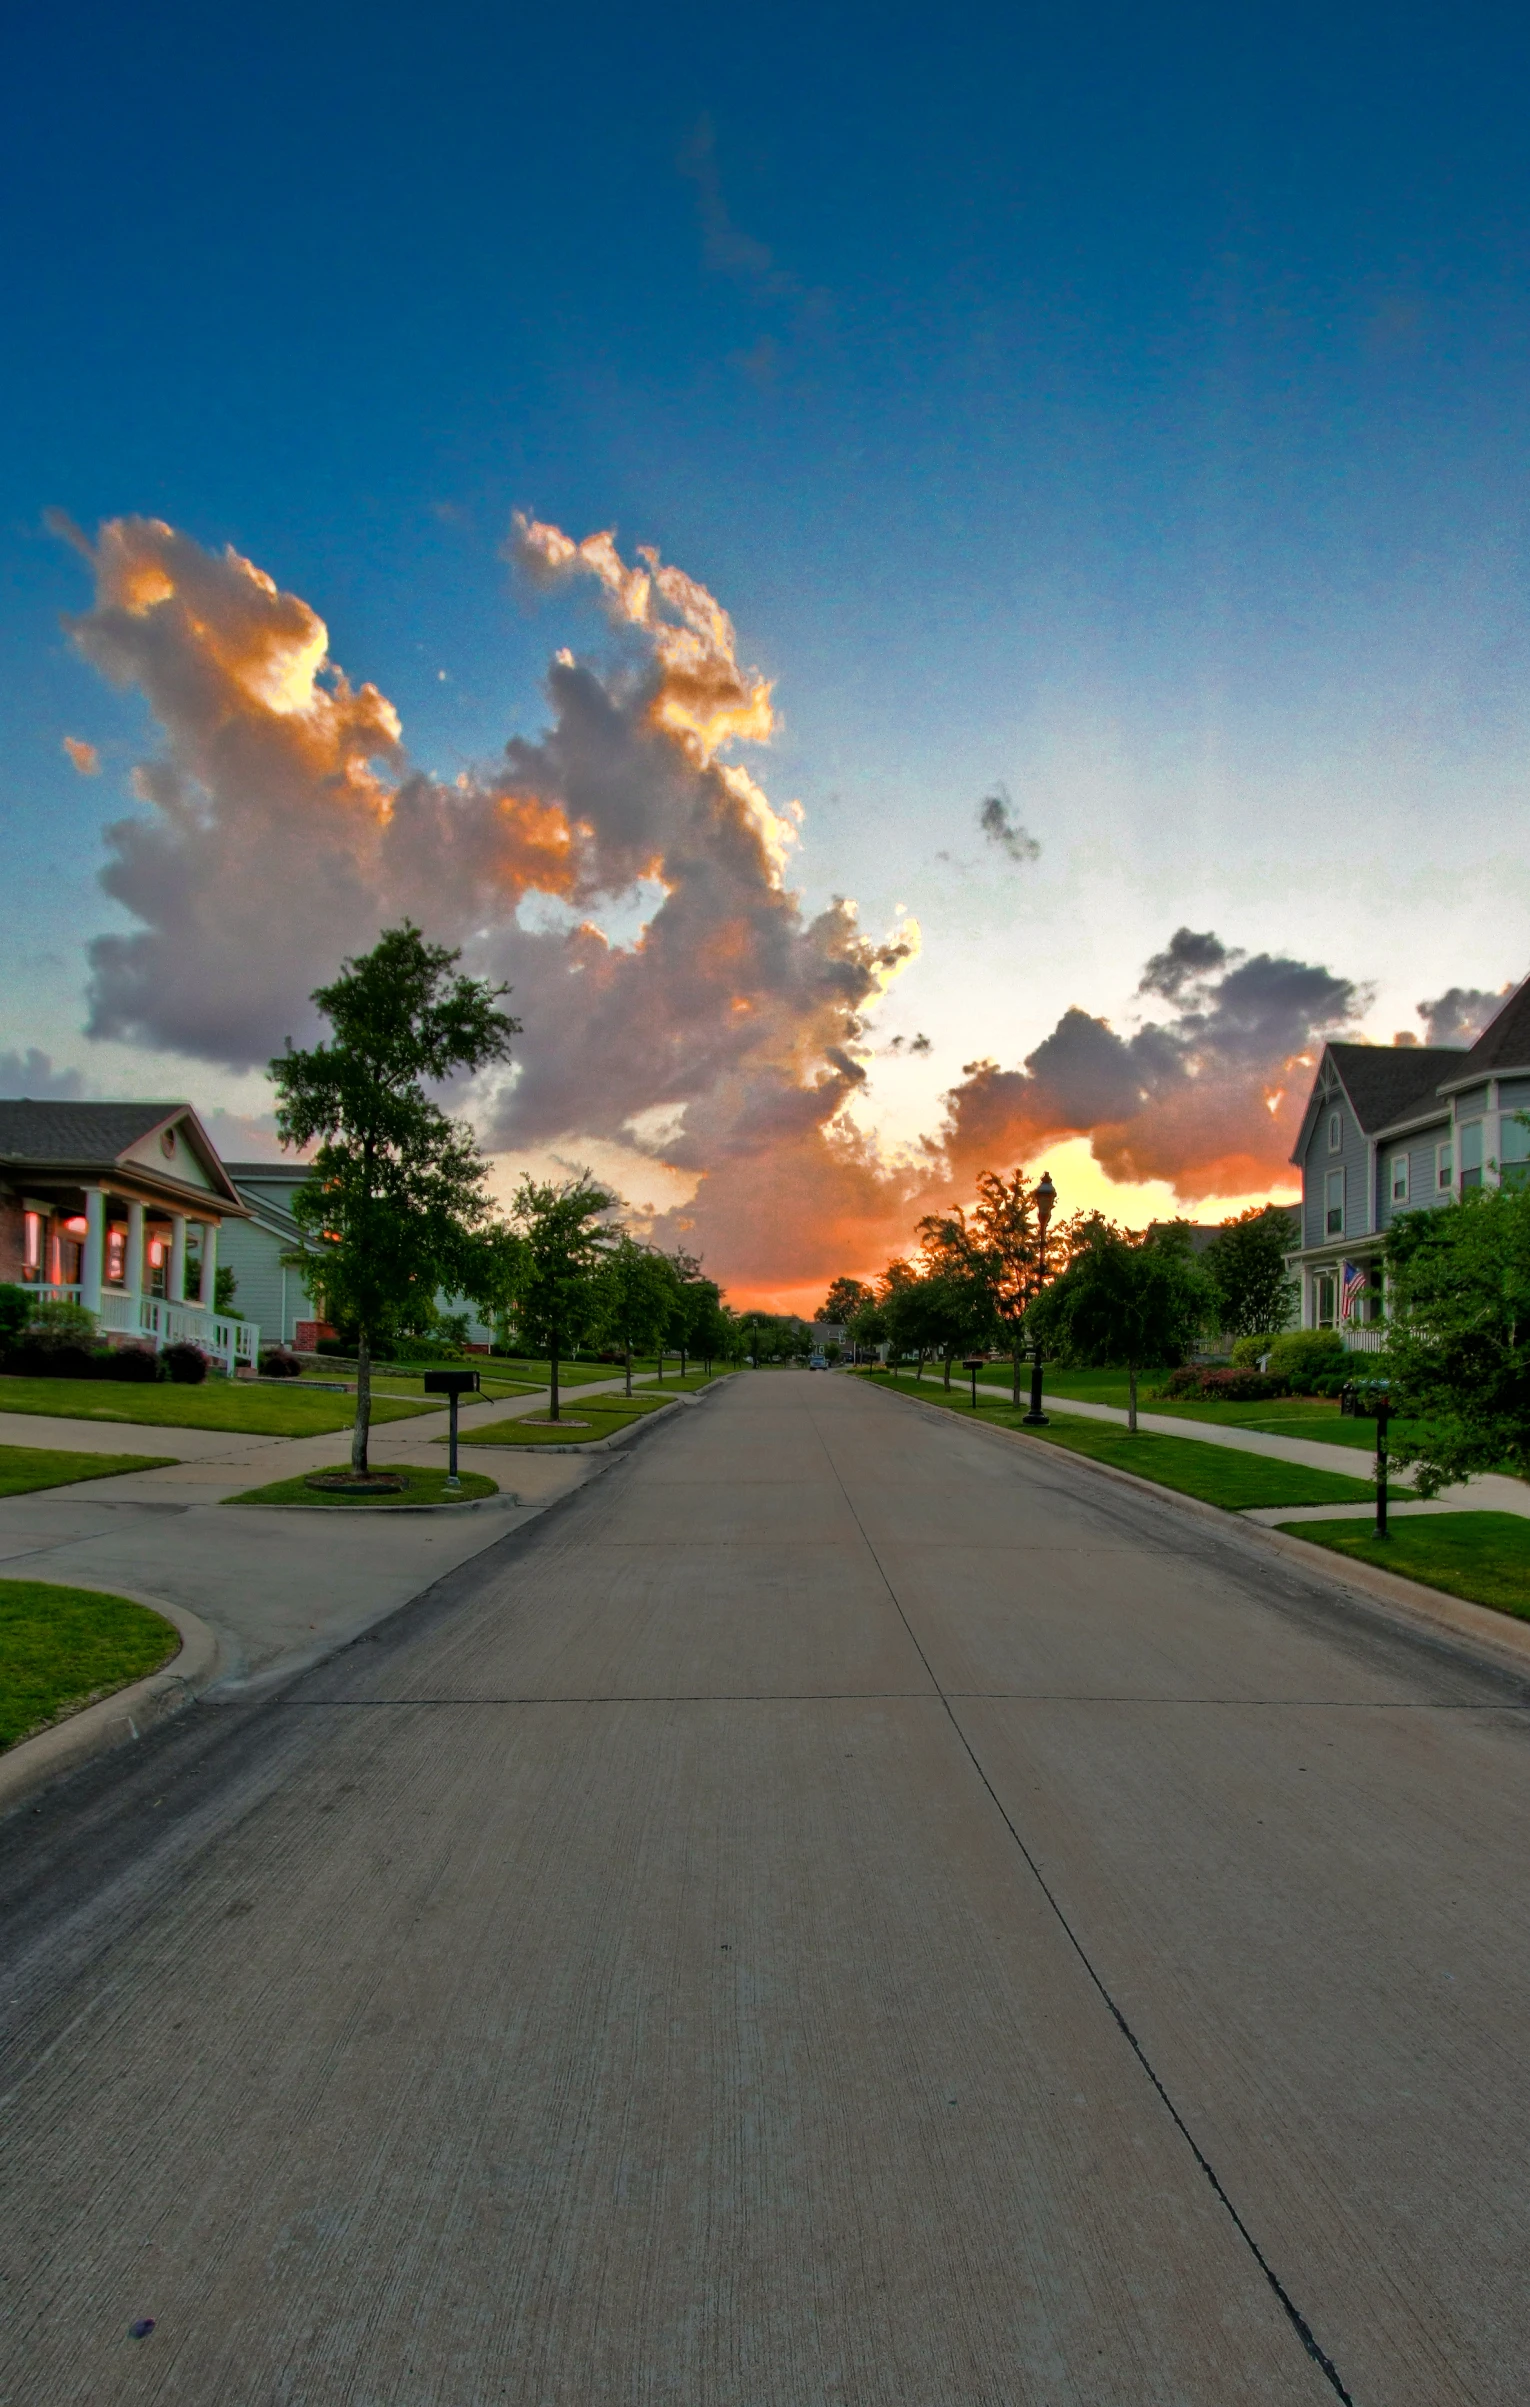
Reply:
x=1046, y=1197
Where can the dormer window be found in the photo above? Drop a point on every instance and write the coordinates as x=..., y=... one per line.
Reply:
x=1335, y=1132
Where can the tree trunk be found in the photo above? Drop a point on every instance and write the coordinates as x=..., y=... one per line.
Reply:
x=946, y=1382
x=629, y=1366
x=918, y=1366
x=682, y=1362
x=1131, y=1412
x=362, y=1429
x=552, y=1355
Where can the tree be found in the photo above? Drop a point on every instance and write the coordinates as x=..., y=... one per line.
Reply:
x=559, y=1298
x=1246, y=1264
x=1123, y=1299
x=959, y=1302
x=1458, y=1339
x=395, y=1190
x=684, y=1271
x=843, y=1301
x=868, y=1326
x=1006, y=1230
x=635, y=1290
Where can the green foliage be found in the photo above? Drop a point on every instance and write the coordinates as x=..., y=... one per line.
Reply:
x=225, y=1288
x=563, y=1247
x=1124, y=1299
x=1246, y=1263
x=843, y=1301
x=634, y=1293
x=1459, y=1336
x=394, y=1198
x=15, y=1312
x=61, y=1323
x=1306, y=1357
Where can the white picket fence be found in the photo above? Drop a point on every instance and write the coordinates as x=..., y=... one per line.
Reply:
x=151, y=1320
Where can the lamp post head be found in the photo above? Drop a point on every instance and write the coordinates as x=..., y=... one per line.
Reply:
x=1046, y=1197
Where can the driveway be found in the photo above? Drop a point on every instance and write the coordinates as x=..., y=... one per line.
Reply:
x=841, y=1911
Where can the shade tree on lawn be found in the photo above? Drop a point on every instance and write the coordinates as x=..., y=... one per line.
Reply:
x=1125, y=1299
x=1246, y=1263
x=565, y=1239
x=635, y=1295
x=394, y=1203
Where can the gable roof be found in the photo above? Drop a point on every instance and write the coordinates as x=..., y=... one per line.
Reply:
x=1390, y=1082
x=94, y=1138
x=1503, y=1045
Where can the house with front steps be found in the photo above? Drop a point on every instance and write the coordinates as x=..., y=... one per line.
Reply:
x=1401, y=1128
x=120, y=1207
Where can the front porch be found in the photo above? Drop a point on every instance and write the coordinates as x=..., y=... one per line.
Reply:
x=154, y=1320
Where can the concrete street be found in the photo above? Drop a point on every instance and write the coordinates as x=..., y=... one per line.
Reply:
x=842, y=1908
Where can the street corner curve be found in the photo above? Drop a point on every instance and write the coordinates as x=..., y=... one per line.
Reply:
x=117, y=1720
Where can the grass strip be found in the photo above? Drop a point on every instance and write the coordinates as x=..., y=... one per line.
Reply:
x=1484, y=1557
x=1220, y=1475
x=421, y=1486
x=586, y=1423
x=233, y=1404
x=23, y=1469
x=62, y=1648
x=1314, y=1417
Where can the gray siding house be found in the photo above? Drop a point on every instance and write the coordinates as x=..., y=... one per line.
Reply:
x=271, y=1291
x=1401, y=1128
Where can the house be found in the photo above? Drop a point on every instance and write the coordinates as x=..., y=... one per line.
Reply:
x=1401, y=1128
x=267, y=1285
x=120, y=1207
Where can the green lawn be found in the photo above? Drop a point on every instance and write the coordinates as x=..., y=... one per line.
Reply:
x=420, y=1487
x=289, y=1411
x=24, y=1468
x=1483, y=1556
x=1236, y=1481
x=1316, y=1417
x=674, y=1385
x=61, y=1648
x=584, y=1422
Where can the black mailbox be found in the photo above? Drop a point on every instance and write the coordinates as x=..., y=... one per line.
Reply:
x=450, y=1383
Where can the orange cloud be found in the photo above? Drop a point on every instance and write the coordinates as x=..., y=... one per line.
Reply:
x=84, y=756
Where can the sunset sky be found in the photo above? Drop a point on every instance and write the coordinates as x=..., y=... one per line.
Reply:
x=1079, y=462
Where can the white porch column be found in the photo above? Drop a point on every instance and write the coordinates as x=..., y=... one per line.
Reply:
x=132, y=1268
x=209, y=1262
x=94, y=1249
x=175, y=1284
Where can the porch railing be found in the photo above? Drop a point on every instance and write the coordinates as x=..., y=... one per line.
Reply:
x=1359, y=1340
x=152, y=1319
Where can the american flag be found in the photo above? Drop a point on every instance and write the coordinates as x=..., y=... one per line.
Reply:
x=1356, y=1280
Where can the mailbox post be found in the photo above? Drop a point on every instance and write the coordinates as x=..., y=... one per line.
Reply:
x=453, y=1384
x=974, y=1363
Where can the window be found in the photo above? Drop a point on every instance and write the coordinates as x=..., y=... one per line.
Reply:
x=1399, y=1178
x=1322, y=1299
x=1513, y=1152
x=1469, y=1138
x=1333, y=1204
x=31, y=1245
x=1335, y=1132
x=1444, y=1168
x=116, y=1254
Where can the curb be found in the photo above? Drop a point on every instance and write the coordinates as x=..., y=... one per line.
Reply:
x=610, y=1445
x=117, y=1720
x=470, y=1504
x=1430, y=1611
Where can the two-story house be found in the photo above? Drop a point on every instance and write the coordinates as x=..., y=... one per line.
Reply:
x=1401, y=1128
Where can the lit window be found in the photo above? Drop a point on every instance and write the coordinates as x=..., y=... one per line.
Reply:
x=1333, y=1204
x=31, y=1244
x=1399, y=1178
x=116, y=1254
x=1335, y=1131
x=1470, y=1138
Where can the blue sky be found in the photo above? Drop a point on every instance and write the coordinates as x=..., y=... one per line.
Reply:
x=1128, y=406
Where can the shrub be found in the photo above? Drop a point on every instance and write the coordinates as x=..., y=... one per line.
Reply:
x=1184, y=1382
x=52, y=1322
x=186, y=1364
x=1244, y=1387
x=277, y=1363
x=15, y=1312
x=130, y=1362
x=43, y=1356
x=1249, y=1352
x=1309, y=1352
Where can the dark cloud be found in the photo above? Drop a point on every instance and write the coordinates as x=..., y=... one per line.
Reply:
x=1459, y=1016
x=1206, y=1098
x=1186, y=958
x=32, y=1074
x=996, y=818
